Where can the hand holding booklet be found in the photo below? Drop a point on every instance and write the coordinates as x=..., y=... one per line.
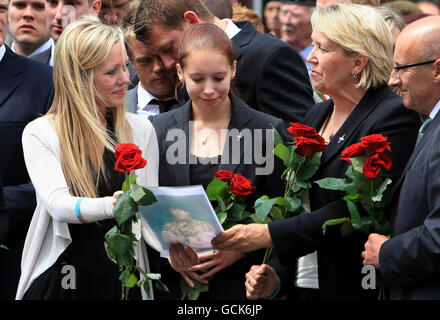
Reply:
x=181, y=214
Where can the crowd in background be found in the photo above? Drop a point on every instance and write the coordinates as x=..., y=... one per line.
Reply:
x=79, y=77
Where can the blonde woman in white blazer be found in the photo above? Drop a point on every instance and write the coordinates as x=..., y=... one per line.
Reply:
x=69, y=156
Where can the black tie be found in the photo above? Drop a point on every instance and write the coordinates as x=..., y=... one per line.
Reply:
x=164, y=105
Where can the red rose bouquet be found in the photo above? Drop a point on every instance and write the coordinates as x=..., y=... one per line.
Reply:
x=227, y=192
x=302, y=158
x=364, y=185
x=120, y=240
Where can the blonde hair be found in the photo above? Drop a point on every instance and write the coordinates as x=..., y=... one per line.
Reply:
x=82, y=46
x=359, y=29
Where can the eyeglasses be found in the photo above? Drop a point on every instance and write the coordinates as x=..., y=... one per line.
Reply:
x=405, y=66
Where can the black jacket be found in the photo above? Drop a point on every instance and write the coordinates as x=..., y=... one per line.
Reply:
x=339, y=260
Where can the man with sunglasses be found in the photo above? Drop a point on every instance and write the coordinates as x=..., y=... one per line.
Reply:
x=409, y=261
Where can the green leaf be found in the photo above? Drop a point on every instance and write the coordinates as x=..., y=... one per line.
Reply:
x=262, y=207
x=153, y=276
x=131, y=281
x=222, y=216
x=282, y=152
x=221, y=203
x=353, y=197
x=124, y=208
x=346, y=229
x=236, y=211
x=194, y=292
x=294, y=157
x=276, y=214
x=256, y=220
x=310, y=167
x=358, y=165
x=333, y=222
x=379, y=193
x=337, y=184
x=216, y=188
x=277, y=137
x=109, y=252
x=283, y=203
x=354, y=214
x=124, y=276
x=301, y=185
x=366, y=224
x=295, y=205
x=142, y=196
x=161, y=286
x=121, y=248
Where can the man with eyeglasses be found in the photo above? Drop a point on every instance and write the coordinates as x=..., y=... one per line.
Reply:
x=409, y=261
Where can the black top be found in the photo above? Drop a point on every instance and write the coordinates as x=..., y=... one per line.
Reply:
x=203, y=169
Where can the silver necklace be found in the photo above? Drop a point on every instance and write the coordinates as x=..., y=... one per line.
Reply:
x=205, y=139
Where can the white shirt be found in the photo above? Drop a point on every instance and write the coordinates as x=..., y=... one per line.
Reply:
x=231, y=29
x=42, y=48
x=52, y=52
x=435, y=110
x=2, y=51
x=144, y=98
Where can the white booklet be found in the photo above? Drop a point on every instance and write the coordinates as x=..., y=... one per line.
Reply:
x=181, y=214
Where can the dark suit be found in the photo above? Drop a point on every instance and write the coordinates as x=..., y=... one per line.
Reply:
x=339, y=261
x=26, y=92
x=271, y=76
x=131, y=102
x=43, y=57
x=410, y=260
x=227, y=284
x=4, y=221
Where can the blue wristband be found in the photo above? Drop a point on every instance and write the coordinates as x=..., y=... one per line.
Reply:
x=77, y=210
x=275, y=293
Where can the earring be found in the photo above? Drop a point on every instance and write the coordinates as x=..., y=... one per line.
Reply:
x=355, y=77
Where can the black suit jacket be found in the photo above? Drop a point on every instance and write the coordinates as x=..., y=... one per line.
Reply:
x=4, y=222
x=410, y=260
x=26, y=92
x=227, y=284
x=339, y=260
x=271, y=76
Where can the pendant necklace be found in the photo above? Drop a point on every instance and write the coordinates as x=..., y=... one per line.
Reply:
x=205, y=139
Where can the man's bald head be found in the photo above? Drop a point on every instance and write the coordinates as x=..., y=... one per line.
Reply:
x=423, y=36
x=417, y=64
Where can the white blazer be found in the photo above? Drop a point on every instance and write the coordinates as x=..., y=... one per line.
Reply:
x=48, y=235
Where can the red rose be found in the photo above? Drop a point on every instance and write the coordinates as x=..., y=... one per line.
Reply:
x=376, y=143
x=355, y=150
x=128, y=157
x=308, y=146
x=241, y=186
x=297, y=129
x=376, y=162
x=224, y=175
